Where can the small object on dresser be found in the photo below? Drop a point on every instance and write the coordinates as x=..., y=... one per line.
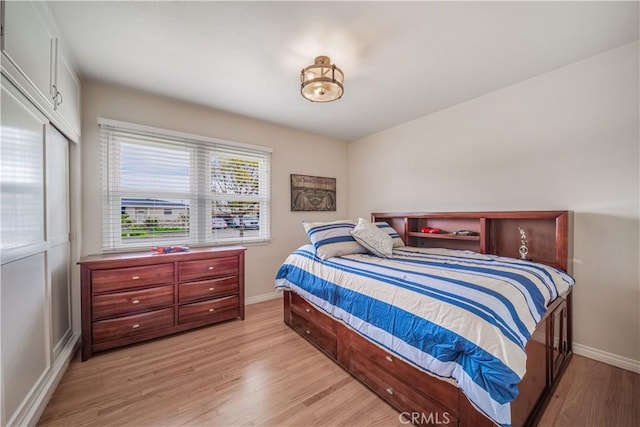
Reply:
x=169, y=249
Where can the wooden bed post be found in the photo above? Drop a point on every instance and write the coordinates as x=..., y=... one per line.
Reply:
x=287, y=311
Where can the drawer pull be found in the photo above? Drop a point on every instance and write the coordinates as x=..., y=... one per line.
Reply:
x=211, y=310
x=390, y=391
x=308, y=310
x=308, y=332
x=137, y=325
x=212, y=289
x=135, y=278
x=135, y=301
x=210, y=268
x=389, y=358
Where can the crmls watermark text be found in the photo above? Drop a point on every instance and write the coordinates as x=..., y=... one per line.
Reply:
x=431, y=418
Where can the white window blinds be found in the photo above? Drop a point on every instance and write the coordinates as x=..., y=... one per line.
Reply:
x=163, y=188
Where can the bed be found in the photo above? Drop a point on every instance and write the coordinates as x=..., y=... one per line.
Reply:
x=452, y=329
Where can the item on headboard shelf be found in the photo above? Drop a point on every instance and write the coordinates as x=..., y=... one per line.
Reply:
x=430, y=230
x=465, y=233
x=523, y=244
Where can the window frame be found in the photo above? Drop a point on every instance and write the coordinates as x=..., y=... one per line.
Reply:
x=200, y=151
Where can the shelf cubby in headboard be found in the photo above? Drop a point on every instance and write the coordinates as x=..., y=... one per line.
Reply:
x=548, y=232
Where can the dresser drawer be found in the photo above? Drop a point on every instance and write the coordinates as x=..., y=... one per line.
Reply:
x=130, y=277
x=395, y=391
x=210, y=310
x=120, y=303
x=205, y=268
x=122, y=327
x=207, y=289
x=323, y=338
x=304, y=309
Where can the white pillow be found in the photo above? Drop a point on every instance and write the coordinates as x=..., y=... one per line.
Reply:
x=333, y=238
x=374, y=239
x=397, y=240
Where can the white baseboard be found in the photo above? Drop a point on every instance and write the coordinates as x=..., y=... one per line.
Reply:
x=263, y=297
x=606, y=357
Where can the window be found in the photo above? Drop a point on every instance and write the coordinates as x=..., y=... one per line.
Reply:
x=163, y=187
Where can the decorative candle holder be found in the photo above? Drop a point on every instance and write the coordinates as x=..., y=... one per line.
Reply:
x=524, y=250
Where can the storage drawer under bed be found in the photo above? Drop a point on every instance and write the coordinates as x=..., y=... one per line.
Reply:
x=389, y=376
x=307, y=311
x=324, y=339
x=438, y=391
x=398, y=393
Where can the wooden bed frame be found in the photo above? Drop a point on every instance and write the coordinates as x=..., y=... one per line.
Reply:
x=422, y=398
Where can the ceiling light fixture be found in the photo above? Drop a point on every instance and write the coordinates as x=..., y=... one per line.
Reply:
x=322, y=81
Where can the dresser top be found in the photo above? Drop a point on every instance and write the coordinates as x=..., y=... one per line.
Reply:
x=149, y=257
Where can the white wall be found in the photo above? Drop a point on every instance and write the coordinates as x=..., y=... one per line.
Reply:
x=293, y=152
x=567, y=139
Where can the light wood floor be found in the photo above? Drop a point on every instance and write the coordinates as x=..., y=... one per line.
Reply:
x=259, y=372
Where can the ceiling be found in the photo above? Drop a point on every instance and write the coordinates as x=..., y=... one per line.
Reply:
x=402, y=60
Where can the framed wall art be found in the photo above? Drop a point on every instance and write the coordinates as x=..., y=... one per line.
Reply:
x=313, y=193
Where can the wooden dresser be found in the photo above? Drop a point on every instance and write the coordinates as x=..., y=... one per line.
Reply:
x=127, y=298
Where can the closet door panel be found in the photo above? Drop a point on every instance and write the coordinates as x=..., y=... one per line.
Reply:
x=22, y=175
x=25, y=351
x=24, y=305
x=58, y=262
x=57, y=187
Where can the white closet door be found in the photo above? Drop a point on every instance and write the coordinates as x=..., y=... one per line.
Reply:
x=21, y=176
x=57, y=196
x=23, y=295
x=25, y=350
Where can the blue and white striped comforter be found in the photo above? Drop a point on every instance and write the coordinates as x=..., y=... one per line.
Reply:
x=456, y=314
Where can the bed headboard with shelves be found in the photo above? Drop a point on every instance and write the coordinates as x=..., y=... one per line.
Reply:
x=548, y=232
